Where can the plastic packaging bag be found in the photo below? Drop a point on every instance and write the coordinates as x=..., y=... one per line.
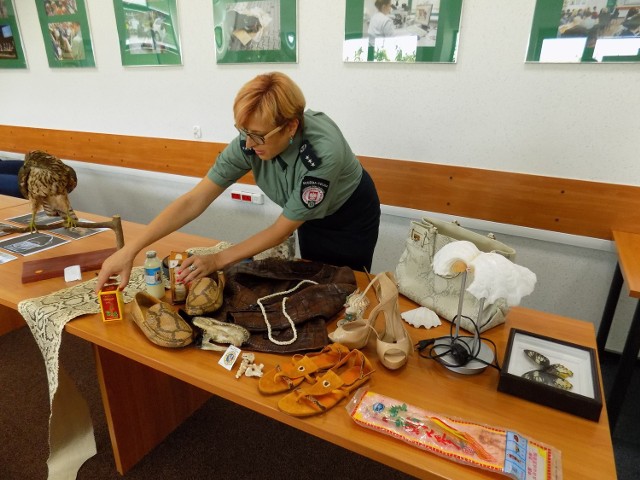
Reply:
x=490, y=448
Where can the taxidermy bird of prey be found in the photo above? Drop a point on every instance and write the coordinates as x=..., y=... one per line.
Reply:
x=46, y=182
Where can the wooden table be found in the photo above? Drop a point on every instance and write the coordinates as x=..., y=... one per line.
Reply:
x=7, y=201
x=148, y=390
x=627, y=268
x=10, y=319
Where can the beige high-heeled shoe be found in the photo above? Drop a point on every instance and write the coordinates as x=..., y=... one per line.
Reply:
x=394, y=345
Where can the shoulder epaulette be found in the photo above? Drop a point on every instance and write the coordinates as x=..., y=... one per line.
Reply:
x=245, y=150
x=308, y=156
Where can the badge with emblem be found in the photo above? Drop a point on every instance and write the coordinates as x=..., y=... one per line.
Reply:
x=313, y=191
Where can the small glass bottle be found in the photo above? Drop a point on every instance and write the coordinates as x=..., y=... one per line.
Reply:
x=153, y=275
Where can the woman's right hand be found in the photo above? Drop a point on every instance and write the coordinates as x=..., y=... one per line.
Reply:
x=119, y=263
x=179, y=212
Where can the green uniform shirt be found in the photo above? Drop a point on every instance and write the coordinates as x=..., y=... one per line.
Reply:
x=311, y=179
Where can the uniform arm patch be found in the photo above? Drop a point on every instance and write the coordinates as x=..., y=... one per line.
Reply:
x=313, y=191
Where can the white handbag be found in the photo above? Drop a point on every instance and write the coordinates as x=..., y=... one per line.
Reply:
x=418, y=282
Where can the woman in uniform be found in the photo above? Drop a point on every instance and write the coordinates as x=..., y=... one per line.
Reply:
x=302, y=162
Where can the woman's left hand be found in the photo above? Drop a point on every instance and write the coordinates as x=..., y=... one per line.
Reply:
x=197, y=266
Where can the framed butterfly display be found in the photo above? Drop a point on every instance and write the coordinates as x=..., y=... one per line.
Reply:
x=552, y=372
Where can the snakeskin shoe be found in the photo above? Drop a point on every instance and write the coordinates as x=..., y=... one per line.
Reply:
x=205, y=295
x=217, y=335
x=159, y=322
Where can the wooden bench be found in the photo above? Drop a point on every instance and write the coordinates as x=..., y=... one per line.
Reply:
x=579, y=207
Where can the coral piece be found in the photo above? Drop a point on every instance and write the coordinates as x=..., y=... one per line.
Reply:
x=254, y=370
x=247, y=360
x=249, y=357
x=355, y=307
x=248, y=368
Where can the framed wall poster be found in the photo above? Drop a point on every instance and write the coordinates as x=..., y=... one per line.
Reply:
x=11, y=53
x=262, y=31
x=581, y=31
x=65, y=30
x=407, y=31
x=148, y=32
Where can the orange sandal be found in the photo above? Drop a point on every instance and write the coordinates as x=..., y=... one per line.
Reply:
x=352, y=371
x=280, y=379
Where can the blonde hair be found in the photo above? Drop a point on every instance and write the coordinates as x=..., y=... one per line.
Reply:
x=272, y=98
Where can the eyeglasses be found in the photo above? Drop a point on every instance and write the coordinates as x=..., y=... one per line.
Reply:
x=255, y=138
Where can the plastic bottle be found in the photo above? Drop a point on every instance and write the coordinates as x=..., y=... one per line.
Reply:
x=153, y=275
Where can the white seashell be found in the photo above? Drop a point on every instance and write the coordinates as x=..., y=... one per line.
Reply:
x=495, y=276
x=421, y=317
x=452, y=253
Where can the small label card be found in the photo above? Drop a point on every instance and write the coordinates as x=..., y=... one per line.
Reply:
x=229, y=357
x=72, y=273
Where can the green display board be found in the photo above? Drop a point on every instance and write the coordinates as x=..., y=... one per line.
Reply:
x=262, y=31
x=148, y=32
x=11, y=53
x=574, y=31
x=409, y=31
x=65, y=30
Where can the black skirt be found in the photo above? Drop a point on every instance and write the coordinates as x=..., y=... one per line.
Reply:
x=348, y=237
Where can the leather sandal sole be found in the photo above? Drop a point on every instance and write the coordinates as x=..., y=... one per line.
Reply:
x=289, y=376
x=352, y=372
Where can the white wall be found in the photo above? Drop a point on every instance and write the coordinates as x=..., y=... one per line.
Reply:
x=490, y=110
